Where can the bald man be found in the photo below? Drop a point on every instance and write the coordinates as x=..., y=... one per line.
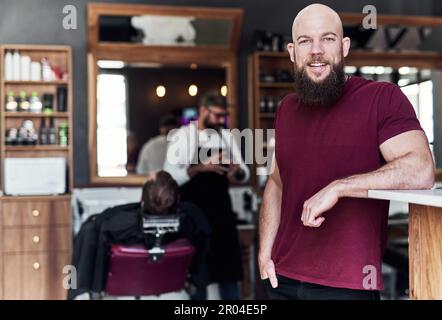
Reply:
x=336, y=138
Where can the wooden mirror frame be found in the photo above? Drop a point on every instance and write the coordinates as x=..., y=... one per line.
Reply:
x=216, y=56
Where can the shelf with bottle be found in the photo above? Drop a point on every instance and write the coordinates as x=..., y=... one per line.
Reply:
x=36, y=148
x=268, y=105
x=22, y=114
x=46, y=102
x=34, y=66
x=29, y=134
x=34, y=82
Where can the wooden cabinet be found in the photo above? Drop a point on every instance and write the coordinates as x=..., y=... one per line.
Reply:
x=35, y=245
x=34, y=276
x=36, y=231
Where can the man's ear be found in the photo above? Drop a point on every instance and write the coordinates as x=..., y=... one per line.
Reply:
x=345, y=46
x=291, y=50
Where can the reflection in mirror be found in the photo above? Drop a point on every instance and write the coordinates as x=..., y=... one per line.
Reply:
x=138, y=103
x=165, y=30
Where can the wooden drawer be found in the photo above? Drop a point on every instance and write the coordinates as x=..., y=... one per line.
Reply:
x=36, y=212
x=34, y=276
x=36, y=239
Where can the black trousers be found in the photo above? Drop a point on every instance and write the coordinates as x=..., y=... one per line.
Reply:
x=290, y=289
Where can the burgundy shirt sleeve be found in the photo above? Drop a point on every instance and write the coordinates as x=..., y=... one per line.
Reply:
x=395, y=114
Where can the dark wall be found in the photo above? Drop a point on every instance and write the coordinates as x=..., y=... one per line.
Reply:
x=40, y=22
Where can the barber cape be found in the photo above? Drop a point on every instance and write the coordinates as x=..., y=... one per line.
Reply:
x=122, y=225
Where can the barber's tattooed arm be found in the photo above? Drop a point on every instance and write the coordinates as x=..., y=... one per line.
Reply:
x=409, y=166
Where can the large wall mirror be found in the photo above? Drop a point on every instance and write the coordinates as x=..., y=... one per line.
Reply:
x=148, y=66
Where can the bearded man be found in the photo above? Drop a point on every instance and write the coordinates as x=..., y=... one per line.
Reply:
x=337, y=136
x=203, y=158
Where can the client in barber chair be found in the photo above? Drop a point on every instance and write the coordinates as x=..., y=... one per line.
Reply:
x=123, y=225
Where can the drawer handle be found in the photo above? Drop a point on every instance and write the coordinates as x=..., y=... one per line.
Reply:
x=36, y=239
x=35, y=213
x=36, y=266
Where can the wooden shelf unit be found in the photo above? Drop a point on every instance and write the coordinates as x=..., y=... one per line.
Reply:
x=265, y=63
x=36, y=231
x=36, y=115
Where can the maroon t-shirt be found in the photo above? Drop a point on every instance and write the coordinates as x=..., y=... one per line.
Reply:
x=315, y=146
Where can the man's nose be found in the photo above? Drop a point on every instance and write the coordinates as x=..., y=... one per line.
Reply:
x=317, y=47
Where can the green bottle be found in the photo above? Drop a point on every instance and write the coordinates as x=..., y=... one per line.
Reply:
x=24, y=103
x=63, y=131
x=11, y=103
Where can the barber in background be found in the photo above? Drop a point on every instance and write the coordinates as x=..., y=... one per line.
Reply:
x=206, y=184
x=153, y=152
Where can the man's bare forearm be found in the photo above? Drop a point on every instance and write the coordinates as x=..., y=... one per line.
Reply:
x=411, y=171
x=269, y=218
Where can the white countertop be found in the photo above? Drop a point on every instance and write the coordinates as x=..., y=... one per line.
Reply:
x=431, y=197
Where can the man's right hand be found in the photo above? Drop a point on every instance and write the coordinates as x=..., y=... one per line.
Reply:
x=267, y=271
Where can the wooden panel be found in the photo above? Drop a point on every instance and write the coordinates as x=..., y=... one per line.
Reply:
x=35, y=213
x=425, y=252
x=11, y=277
x=36, y=239
x=34, y=276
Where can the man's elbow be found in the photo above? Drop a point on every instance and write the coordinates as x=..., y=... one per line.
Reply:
x=426, y=176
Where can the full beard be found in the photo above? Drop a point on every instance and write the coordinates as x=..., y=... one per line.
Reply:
x=323, y=93
x=209, y=125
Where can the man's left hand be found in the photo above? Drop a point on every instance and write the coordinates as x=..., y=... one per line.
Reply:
x=322, y=201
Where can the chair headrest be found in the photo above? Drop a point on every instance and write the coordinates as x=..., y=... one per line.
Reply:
x=161, y=224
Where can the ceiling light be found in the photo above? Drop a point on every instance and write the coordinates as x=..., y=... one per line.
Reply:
x=161, y=91
x=193, y=90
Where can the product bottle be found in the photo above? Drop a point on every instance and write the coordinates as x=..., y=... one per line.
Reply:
x=46, y=70
x=24, y=103
x=9, y=73
x=52, y=134
x=16, y=66
x=63, y=131
x=35, y=71
x=35, y=104
x=11, y=103
x=48, y=103
x=25, y=68
x=43, y=133
x=61, y=99
x=263, y=104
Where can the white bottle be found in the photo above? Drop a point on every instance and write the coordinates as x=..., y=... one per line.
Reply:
x=25, y=68
x=8, y=66
x=16, y=65
x=46, y=70
x=35, y=71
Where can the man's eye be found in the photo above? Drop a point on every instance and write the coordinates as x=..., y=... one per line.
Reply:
x=303, y=41
x=329, y=39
